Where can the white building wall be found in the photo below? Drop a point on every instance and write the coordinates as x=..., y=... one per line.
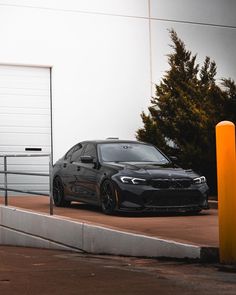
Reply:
x=99, y=51
x=208, y=28
x=218, y=12
x=131, y=8
x=100, y=63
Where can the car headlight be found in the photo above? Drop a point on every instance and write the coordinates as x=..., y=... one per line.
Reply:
x=132, y=180
x=198, y=180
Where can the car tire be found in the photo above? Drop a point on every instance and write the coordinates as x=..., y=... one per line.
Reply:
x=108, y=197
x=58, y=194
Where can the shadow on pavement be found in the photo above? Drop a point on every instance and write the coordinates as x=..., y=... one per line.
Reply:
x=93, y=208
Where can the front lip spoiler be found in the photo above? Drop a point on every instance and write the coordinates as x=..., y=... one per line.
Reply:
x=164, y=209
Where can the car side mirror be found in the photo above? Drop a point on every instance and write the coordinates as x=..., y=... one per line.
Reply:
x=86, y=159
x=174, y=159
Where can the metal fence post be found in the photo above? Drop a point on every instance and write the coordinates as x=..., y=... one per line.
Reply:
x=50, y=185
x=6, y=188
x=5, y=180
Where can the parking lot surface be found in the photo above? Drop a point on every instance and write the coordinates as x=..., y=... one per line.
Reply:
x=28, y=271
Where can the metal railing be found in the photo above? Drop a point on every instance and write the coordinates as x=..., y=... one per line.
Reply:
x=6, y=172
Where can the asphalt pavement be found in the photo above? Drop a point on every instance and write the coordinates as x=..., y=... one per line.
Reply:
x=34, y=271
x=28, y=271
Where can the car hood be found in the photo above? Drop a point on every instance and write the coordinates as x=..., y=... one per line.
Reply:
x=153, y=170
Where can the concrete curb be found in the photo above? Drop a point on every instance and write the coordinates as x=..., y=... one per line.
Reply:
x=25, y=228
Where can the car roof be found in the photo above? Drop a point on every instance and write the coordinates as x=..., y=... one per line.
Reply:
x=112, y=141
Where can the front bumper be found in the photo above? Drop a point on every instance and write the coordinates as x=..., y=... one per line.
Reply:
x=147, y=198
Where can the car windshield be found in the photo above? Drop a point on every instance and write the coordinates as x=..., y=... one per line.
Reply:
x=131, y=152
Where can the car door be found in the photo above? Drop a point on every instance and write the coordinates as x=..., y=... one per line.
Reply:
x=65, y=171
x=86, y=175
x=70, y=167
x=76, y=190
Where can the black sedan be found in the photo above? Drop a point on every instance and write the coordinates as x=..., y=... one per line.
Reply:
x=126, y=176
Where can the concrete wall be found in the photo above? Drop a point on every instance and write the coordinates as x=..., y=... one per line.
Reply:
x=24, y=228
x=99, y=58
x=208, y=28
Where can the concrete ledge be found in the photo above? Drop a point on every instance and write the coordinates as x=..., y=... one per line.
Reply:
x=107, y=241
x=47, y=227
x=25, y=228
x=15, y=238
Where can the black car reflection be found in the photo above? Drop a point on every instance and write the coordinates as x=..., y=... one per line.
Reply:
x=126, y=176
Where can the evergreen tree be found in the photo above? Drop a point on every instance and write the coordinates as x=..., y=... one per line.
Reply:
x=187, y=106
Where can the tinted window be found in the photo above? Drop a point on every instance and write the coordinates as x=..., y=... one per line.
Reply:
x=77, y=153
x=131, y=152
x=69, y=153
x=90, y=150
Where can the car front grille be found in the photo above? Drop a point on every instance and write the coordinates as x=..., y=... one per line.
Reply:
x=163, y=183
x=173, y=199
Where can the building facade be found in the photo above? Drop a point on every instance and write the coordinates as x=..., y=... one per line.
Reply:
x=85, y=69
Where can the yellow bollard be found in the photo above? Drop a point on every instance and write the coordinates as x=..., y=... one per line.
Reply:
x=226, y=178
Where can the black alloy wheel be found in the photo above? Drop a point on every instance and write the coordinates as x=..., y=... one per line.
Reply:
x=108, y=198
x=58, y=194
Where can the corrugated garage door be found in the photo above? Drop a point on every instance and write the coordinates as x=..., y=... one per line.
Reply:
x=25, y=123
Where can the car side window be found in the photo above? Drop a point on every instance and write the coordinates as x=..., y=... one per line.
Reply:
x=69, y=153
x=90, y=150
x=77, y=153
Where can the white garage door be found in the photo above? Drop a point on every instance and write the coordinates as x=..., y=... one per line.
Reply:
x=25, y=124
